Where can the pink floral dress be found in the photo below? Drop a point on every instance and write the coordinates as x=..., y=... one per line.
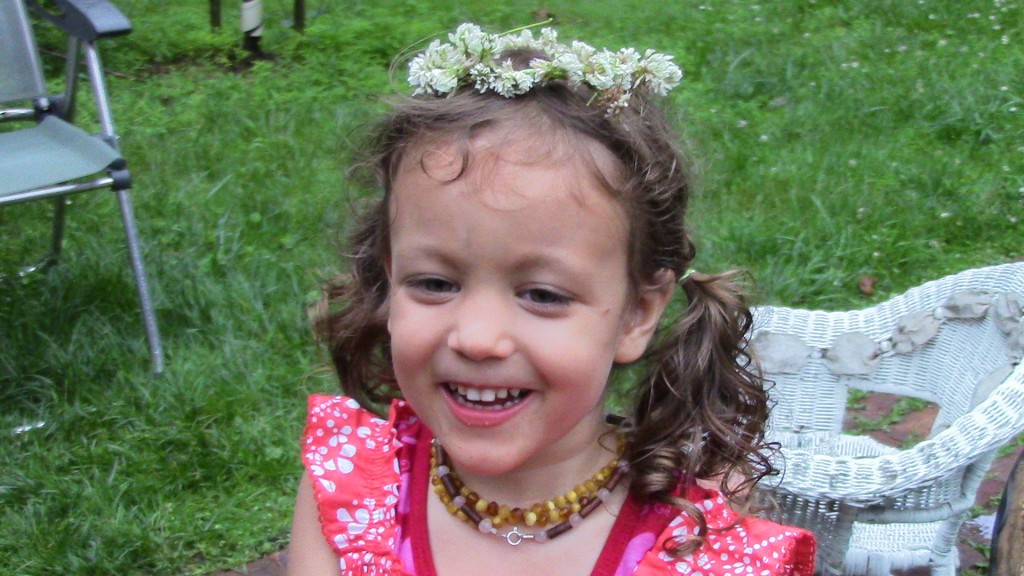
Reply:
x=370, y=481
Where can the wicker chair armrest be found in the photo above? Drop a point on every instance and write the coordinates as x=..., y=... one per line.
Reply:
x=865, y=481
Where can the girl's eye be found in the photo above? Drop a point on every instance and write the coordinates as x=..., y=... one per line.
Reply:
x=545, y=297
x=434, y=285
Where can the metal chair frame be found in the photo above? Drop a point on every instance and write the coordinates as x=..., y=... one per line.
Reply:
x=85, y=22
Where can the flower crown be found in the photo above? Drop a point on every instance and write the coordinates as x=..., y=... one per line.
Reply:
x=472, y=58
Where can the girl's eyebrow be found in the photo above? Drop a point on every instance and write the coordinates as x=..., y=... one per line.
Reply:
x=435, y=253
x=430, y=250
x=549, y=260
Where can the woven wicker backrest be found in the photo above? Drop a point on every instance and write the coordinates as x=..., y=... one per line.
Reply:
x=946, y=368
x=956, y=342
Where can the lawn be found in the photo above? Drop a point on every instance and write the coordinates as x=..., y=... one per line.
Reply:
x=836, y=141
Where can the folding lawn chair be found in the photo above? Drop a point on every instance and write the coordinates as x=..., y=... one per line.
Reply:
x=52, y=158
x=956, y=342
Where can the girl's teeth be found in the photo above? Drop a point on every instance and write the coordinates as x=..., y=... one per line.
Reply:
x=505, y=396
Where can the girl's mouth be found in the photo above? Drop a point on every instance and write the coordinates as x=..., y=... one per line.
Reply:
x=486, y=398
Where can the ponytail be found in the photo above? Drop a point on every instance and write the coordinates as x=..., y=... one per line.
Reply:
x=701, y=409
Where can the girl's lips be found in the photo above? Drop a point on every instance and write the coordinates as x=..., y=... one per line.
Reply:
x=477, y=407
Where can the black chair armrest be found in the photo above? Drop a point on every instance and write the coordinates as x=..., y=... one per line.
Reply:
x=85, y=19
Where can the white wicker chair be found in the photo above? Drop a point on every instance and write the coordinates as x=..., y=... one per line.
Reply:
x=956, y=342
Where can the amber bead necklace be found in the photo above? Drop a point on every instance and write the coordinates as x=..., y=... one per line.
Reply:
x=564, y=512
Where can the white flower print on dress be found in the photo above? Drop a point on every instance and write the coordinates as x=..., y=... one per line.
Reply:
x=340, y=436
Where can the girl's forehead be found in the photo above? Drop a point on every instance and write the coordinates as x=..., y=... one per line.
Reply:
x=511, y=197
x=499, y=153
x=510, y=171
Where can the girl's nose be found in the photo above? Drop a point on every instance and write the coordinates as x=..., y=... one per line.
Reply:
x=481, y=332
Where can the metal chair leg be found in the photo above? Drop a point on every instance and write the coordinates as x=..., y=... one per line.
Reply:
x=95, y=68
x=60, y=204
x=135, y=254
x=51, y=258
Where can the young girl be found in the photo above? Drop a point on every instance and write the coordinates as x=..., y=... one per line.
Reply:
x=528, y=241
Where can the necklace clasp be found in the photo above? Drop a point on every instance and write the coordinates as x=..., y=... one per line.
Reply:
x=514, y=537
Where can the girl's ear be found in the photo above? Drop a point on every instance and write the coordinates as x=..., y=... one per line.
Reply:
x=643, y=319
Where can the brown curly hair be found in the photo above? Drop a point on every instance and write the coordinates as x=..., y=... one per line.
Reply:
x=700, y=408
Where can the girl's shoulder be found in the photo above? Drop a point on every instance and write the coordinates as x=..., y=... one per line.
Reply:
x=357, y=461
x=734, y=544
x=343, y=440
x=335, y=421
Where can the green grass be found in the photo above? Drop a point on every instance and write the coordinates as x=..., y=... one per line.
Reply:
x=834, y=140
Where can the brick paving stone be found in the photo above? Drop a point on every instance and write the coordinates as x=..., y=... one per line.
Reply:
x=273, y=565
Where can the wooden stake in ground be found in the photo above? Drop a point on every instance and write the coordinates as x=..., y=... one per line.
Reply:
x=215, y=14
x=299, y=11
x=1008, y=539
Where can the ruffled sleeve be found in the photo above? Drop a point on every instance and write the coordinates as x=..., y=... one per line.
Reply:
x=351, y=457
x=734, y=546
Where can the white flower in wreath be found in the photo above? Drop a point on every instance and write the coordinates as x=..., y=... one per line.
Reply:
x=473, y=40
x=599, y=71
x=510, y=82
x=628, y=65
x=524, y=40
x=660, y=72
x=565, y=64
x=549, y=40
x=482, y=76
x=438, y=69
x=582, y=49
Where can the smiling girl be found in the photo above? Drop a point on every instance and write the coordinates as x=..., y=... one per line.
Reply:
x=528, y=241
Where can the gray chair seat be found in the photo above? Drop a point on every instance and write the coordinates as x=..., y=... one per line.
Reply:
x=50, y=152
